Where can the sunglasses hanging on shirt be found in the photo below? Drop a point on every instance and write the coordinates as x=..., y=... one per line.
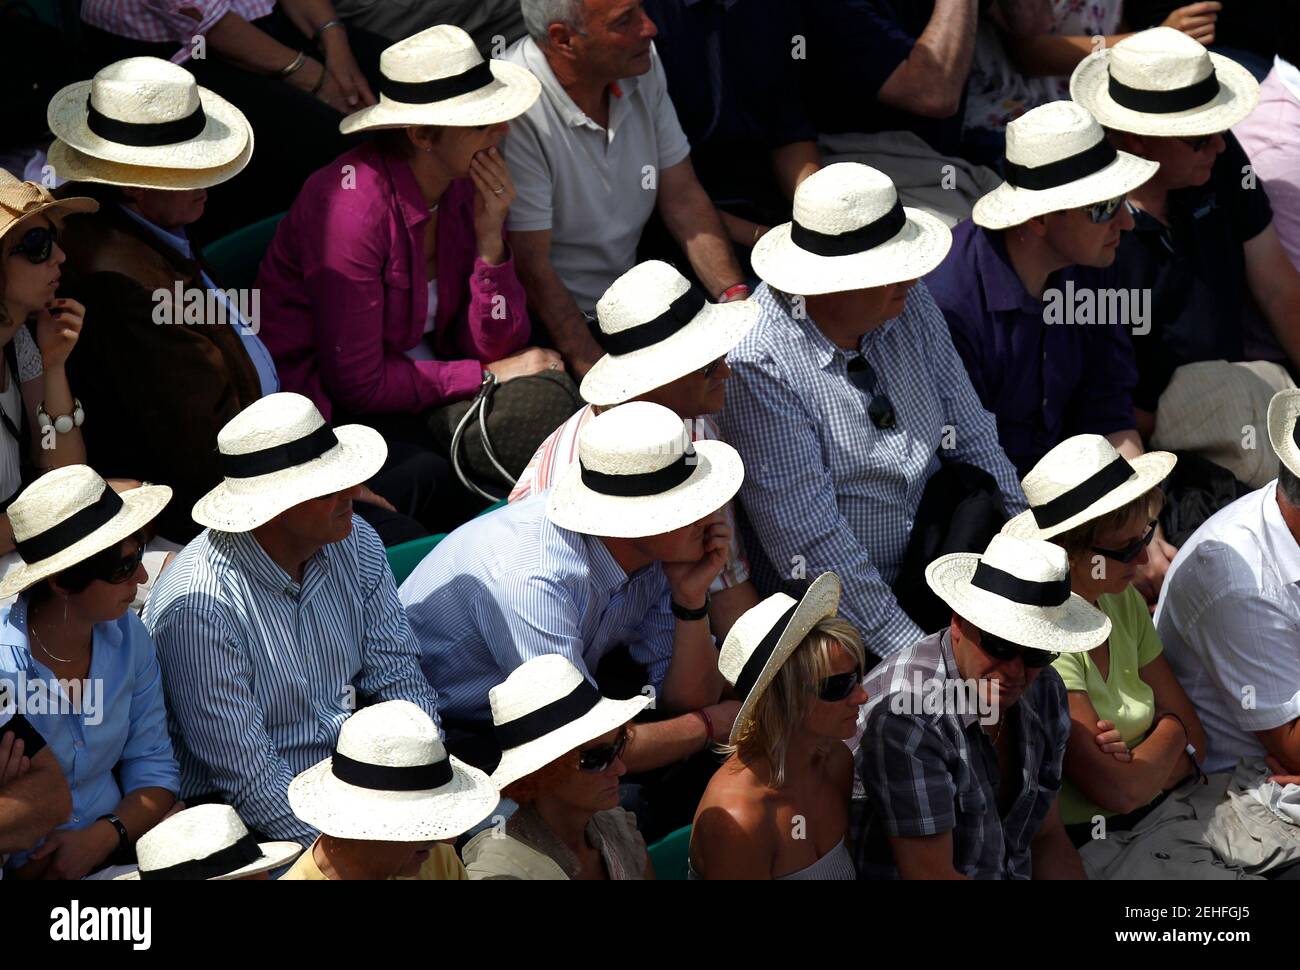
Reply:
x=879, y=409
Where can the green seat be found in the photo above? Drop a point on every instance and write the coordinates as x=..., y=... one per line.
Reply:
x=234, y=258
x=670, y=854
x=403, y=558
x=492, y=508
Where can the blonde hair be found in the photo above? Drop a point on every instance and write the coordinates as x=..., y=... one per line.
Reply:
x=781, y=710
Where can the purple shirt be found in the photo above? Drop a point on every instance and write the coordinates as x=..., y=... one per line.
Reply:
x=345, y=292
x=1043, y=382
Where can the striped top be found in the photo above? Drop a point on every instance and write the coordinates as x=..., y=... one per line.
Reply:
x=261, y=672
x=160, y=21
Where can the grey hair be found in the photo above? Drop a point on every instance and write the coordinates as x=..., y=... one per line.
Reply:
x=1289, y=484
x=540, y=14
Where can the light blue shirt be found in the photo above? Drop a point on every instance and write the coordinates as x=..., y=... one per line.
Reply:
x=121, y=724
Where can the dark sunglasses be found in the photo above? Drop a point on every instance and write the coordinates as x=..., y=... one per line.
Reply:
x=1130, y=551
x=1000, y=649
x=1100, y=212
x=600, y=758
x=125, y=568
x=838, y=687
x=36, y=244
x=712, y=369
x=1196, y=144
x=863, y=376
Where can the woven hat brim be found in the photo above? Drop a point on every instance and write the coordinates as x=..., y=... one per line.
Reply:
x=513, y=94
x=1237, y=97
x=714, y=482
x=74, y=166
x=348, y=812
x=604, y=717
x=821, y=601
x=1152, y=468
x=713, y=332
x=139, y=506
x=56, y=209
x=1283, y=410
x=1008, y=205
x=274, y=855
x=919, y=247
x=240, y=505
x=1073, y=627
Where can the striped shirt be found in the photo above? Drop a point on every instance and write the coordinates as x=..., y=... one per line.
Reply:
x=512, y=585
x=824, y=488
x=160, y=21
x=560, y=450
x=261, y=672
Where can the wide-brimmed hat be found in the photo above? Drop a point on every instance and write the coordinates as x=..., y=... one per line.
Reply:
x=1082, y=479
x=146, y=122
x=1019, y=590
x=1282, y=412
x=206, y=842
x=438, y=77
x=1058, y=158
x=639, y=474
x=278, y=452
x=69, y=514
x=19, y=200
x=850, y=232
x=544, y=710
x=765, y=636
x=655, y=327
x=391, y=780
x=1162, y=83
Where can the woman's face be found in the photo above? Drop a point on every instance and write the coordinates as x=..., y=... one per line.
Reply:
x=28, y=286
x=837, y=718
x=588, y=792
x=1093, y=573
x=103, y=601
x=456, y=147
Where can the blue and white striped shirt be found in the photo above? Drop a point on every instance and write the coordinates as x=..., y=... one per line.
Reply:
x=261, y=672
x=824, y=488
x=512, y=585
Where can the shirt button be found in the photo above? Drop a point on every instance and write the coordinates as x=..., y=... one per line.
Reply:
x=76, y=818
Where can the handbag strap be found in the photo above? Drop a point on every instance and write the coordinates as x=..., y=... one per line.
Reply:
x=477, y=407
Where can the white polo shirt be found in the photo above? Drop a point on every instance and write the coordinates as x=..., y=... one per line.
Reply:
x=593, y=187
x=1229, y=619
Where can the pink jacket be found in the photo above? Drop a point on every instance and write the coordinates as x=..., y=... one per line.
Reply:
x=344, y=292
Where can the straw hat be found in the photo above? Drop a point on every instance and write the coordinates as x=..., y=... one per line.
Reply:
x=765, y=636
x=1282, y=411
x=69, y=514
x=391, y=780
x=850, y=232
x=1161, y=82
x=638, y=474
x=279, y=452
x=1058, y=158
x=206, y=842
x=1082, y=479
x=438, y=77
x=655, y=328
x=544, y=710
x=1019, y=590
x=146, y=122
x=20, y=200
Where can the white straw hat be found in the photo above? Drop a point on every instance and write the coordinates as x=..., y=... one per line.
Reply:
x=638, y=474
x=391, y=780
x=19, y=200
x=206, y=842
x=147, y=121
x=850, y=232
x=655, y=328
x=69, y=514
x=765, y=636
x=544, y=710
x=1058, y=158
x=1019, y=590
x=438, y=77
x=1282, y=411
x=1081, y=479
x=278, y=452
x=1161, y=82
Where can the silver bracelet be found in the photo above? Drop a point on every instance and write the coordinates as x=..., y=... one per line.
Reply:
x=296, y=63
x=324, y=27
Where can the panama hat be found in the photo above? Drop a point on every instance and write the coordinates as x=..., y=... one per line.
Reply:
x=206, y=842
x=1058, y=158
x=20, y=200
x=69, y=514
x=1082, y=479
x=655, y=327
x=544, y=710
x=765, y=636
x=1162, y=83
x=278, y=452
x=638, y=474
x=391, y=780
x=1019, y=590
x=438, y=77
x=146, y=122
x=850, y=232
x=1282, y=411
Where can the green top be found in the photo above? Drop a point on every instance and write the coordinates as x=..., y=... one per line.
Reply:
x=1124, y=697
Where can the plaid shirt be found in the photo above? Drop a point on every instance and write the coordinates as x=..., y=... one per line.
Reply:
x=824, y=488
x=928, y=767
x=160, y=21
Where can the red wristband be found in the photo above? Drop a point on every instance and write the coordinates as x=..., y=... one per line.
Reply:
x=708, y=726
x=730, y=293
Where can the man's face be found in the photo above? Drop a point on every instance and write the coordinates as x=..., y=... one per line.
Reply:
x=701, y=391
x=872, y=306
x=1183, y=162
x=614, y=41
x=321, y=521
x=1082, y=242
x=681, y=545
x=1001, y=682
x=169, y=209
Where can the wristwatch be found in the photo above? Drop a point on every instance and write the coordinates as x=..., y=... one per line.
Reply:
x=123, y=836
x=683, y=613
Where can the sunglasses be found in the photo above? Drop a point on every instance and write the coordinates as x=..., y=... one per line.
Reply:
x=1000, y=649
x=1100, y=212
x=712, y=369
x=1130, y=551
x=36, y=244
x=599, y=759
x=125, y=568
x=838, y=687
x=863, y=376
x=1196, y=144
